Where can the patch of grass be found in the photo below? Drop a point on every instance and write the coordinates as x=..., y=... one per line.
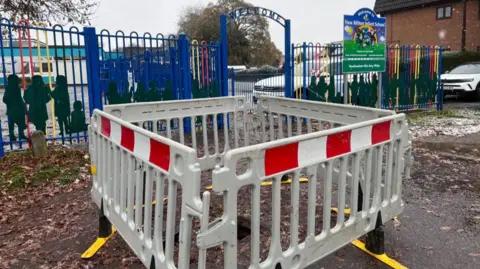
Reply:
x=17, y=153
x=46, y=172
x=19, y=169
x=423, y=116
x=18, y=181
x=69, y=175
x=65, y=180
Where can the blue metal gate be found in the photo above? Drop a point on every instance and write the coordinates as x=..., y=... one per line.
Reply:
x=90, y=69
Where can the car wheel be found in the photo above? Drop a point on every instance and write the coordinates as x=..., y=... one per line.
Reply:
x=473, y=96
x=477, y=93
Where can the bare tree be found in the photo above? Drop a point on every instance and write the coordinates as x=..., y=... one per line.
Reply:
x=49, y=11
x=249, y=41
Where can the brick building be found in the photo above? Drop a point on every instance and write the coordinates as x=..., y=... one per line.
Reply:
x=431, y=22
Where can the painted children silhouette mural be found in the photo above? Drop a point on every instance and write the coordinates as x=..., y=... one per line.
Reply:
x=126, y=94
x=113, y=97
x=15, y=108
x=37, y=96
x=78, y=118
x=62, y=104
x=153, y=94
x=140, y=94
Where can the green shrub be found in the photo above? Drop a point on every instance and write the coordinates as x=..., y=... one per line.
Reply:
x=255, y=74
x=452, y=59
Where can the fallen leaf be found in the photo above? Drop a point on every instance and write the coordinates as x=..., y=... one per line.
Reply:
x=445, y=228
x=474, y=254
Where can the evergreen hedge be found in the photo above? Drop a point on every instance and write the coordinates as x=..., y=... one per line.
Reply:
x=452, y=59
x=256, y=74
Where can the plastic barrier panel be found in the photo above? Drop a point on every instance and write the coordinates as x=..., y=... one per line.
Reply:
x=341, y=165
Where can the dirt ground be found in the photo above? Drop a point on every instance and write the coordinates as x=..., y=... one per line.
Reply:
x=50, y=225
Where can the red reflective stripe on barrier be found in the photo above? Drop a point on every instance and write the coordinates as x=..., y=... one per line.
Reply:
x=381, y=132
x=338, y=144
x=127, y=139
x=105, y=127
x=316, y=150
x=159, y=154
x=281, y=159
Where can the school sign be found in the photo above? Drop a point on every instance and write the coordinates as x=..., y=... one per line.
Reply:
x=364, y=42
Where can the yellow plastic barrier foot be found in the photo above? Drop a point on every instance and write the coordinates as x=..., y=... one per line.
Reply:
x=347, y=212
x=90, y=252
x=269, y=183
x=93, y=170
x=143, y=206
x=97, y=245
x=382, y=257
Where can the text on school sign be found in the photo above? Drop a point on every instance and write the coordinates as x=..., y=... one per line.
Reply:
x=257, y=11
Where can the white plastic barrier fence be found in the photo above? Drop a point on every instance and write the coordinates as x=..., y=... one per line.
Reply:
x=359, y=152
x=124, y=155
x=198, y=117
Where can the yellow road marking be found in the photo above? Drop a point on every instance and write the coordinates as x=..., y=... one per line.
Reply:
x=269, y=183
x=97, y=245
x=383, y=257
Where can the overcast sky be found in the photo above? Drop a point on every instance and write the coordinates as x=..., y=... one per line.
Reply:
x=312, y=20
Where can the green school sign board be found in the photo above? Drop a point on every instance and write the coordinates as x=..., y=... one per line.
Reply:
x=364, y=42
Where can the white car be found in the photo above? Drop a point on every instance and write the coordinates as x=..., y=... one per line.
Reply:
x=463, y=80
x=275, y=86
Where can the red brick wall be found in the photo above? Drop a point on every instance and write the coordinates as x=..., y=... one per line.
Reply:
x=421, y=27
x=473, y=25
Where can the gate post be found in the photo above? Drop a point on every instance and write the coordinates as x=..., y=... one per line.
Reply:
x=224, y=56
x=2, y=150
x=287, y=63
x=93, y=69
x=185, y=66
x=439, y=82
x=303, y=94
x=186, y=81
x=173, y=65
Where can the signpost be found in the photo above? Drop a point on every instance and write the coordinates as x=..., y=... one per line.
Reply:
x=364, y=42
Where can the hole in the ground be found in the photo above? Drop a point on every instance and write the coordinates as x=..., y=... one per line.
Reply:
x=243, y=228
x=176, y=238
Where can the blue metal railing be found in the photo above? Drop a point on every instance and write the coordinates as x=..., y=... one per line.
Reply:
x=180, y=69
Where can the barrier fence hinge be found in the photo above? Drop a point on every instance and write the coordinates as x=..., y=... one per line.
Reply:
x=216, y=235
